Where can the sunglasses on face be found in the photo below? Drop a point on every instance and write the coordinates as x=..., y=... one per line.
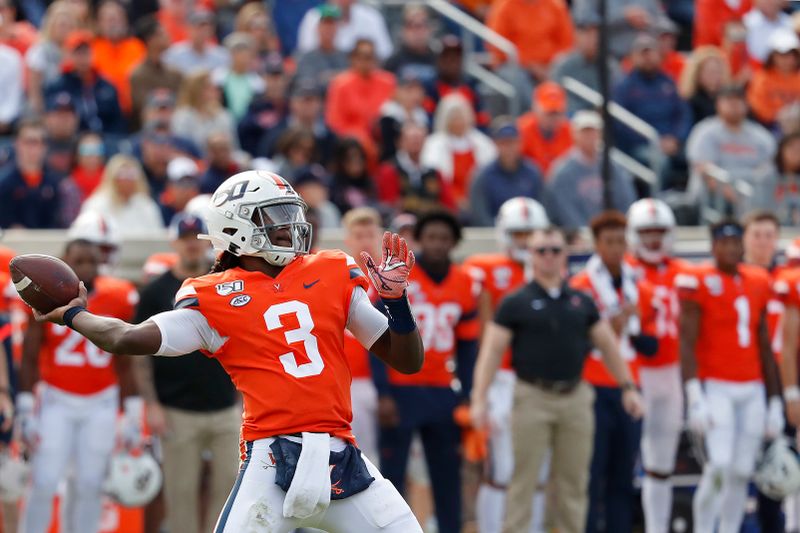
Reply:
x=544, y=250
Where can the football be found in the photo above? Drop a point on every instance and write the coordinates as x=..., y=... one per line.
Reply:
x=43, y=282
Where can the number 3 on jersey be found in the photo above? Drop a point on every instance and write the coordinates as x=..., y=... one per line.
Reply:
x=272, y=317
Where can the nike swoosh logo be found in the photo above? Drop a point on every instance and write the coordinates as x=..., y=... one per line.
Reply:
x=309, y=285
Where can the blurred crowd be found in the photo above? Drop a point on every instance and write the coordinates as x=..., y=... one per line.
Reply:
x=132, y=108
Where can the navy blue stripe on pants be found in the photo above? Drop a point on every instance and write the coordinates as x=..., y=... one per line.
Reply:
x=429, y=412
x=226, y=511
x=616, y=446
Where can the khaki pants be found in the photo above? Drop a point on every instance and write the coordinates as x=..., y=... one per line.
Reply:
x=190, y=434
x=563, y=423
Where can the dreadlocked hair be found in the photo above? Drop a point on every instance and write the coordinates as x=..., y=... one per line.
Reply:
x=225, y=261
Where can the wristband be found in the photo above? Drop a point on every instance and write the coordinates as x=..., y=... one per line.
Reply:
x=26, y=402
x=791, y=393
x=628, y=385
x=401, y=319
x=694, y=390
x=133, y=406
x=69, y=315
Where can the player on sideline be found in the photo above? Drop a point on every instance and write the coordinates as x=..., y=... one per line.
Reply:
x=727, y=361
x=275, y=317
x=651, y=227
x=499, y=274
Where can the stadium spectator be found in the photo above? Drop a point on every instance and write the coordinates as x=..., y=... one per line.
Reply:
x=626, y=19
x=450, y=78
x=183, y=184
x=96, y=100
x=11, y=90
x=649, y=93
x=295, y=151
x=124, y=197
x=61, y=126
x=706, y=72
x=352, y=186
x=545, y=130
x=43, y=59
x=238, y=82
x=191, y=403
x=358, y=22
x=777, y=84
x=312, y=184
x=267, y=110
x=114, y=52
x=18, y=34
x=581, y=62
x=508, y=176
x=159, y=109
x=672, y=62
x=404, y=106
x=787, y=193
x=415, y=50
x=89, y=163
x=199, y=51
x=766, y=17
x=355, y=96
x=325, y=61
x=305, y=111
x=540, y=30
x=741, y=147
x=173, y=15
x=712, y=16
x=29, y=194
x=574, y=191
x=220, y=162
x=199, y=112
x=152, y=73
x=404, y=183
x=456, y=149
x=157, y=147
x=254, y=19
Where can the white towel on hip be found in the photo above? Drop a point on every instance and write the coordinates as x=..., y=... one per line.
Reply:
x=610, y=301
x=310, y=491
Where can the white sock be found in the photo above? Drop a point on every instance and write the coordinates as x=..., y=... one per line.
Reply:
x=489, y=509
x=791, y=506
x=657, y=504
x=734, y=499
x=538, y=509
x=707, y=500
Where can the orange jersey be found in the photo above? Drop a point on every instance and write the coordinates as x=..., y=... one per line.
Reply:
x=285, y=341
x=731, y=309
x=498, y=275
x=158, y=263
x=594, y=370
x=446, y=312
x=665, y=306
x=6, y=255
x=73, y=364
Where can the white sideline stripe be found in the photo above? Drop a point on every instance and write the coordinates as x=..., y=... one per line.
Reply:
x=22, y=284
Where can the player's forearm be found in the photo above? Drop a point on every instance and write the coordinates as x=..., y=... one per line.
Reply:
x=790, y=334
x=143, y=375
x=604, y=340
x=689, y=331
x=402, y=351
x=489, y=358
x=118, y=337
x=769, y=368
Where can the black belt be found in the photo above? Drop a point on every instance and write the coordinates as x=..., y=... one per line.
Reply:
x=554, y=386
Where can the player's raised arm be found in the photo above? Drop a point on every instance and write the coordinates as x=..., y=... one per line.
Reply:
x=401, y=346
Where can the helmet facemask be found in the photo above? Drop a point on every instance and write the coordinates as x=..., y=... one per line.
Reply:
x=277, y=222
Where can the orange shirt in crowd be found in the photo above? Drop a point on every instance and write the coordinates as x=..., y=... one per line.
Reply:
x=711, y=16
x=176, y=27
x=541, y=29
x=354, y=103
x=538, y=148
x=731, y=308
x=769, y=91
x=115, y=61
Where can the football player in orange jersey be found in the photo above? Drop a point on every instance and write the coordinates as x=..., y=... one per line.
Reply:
x=363, y=230
x=625, y=302
x=651, y=227
x=79, y=385
x=444, y=301
x=727, y=363
x=499, y=274
x=274, y=316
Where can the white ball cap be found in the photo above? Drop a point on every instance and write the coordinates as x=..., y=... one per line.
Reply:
x=182, y=167
x=783, y=40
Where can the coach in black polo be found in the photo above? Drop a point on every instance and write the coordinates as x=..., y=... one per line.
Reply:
x=550, y=329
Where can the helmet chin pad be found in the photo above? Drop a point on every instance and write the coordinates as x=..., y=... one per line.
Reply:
x=651, y=256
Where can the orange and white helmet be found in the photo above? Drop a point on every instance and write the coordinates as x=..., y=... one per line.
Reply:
x=648, y=214
x=100, y=230
x=247, y=207
x=133, y=480
x=517, y=215
x=14, y=476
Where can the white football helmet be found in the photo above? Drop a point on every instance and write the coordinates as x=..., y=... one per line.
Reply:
x=247, y=207
x=100, y=230
x=649, y=213
x=778, y=473
x=519, y=214
x=133, y=480
x=14, y=476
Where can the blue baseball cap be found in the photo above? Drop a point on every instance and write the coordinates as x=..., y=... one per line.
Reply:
x=184, y=224
x=726, y=229
x=60, y=101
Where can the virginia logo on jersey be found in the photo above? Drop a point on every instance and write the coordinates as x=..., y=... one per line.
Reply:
x=714, y=284
x=502, y=277
x=229, y=287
